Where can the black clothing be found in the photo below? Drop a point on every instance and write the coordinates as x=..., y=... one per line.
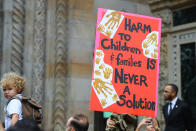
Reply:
x=179, y=118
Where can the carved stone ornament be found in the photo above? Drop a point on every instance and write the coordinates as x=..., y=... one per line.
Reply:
x=166, y=16
x=60, y=66
x=18, y=18
x=39, y=50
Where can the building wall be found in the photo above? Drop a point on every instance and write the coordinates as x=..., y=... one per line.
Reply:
x=51, y=43
x=80, y=38
x=171, y=39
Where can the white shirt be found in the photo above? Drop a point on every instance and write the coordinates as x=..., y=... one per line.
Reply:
x=14, y=106
x=173, y=103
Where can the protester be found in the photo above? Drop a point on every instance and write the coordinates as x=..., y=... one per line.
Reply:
x=176, y=113
x=121, y=122
x=150, y=124
x=25, y=125
x=12, y=85
x=78, y=122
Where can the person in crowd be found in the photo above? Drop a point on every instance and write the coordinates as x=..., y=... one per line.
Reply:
x=25, y=125
x=121, y=122
x=150, y=124
x=78, y=122
x=12, y=85
x=177, y=114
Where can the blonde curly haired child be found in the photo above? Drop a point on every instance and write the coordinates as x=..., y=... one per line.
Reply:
x=13, y=85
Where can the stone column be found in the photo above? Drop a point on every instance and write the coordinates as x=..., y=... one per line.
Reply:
x=60, y=66
x=49, y=83
x=39, y=50
x=17, y=47
x=166, y=15
x=1, y=47
x=1, y=33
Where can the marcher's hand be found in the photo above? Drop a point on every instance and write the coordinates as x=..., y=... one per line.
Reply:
x=143, y=123
x=110, y=123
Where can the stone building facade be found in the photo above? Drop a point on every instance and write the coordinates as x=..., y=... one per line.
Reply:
x=178, y=49
x=51, y=43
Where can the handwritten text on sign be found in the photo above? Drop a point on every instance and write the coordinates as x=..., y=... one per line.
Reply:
x=126, y=63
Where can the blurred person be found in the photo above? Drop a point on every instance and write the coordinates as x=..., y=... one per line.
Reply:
x=177, y=114
x=150, y=124
x=121, y=122
x=25, y=125
x=78, y=122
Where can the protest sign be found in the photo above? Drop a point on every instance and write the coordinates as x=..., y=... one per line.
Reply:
x=126, y=63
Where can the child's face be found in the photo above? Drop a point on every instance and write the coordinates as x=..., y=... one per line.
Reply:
x=9, y=91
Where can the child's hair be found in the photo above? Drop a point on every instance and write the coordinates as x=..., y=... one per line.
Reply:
x=13, y=79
